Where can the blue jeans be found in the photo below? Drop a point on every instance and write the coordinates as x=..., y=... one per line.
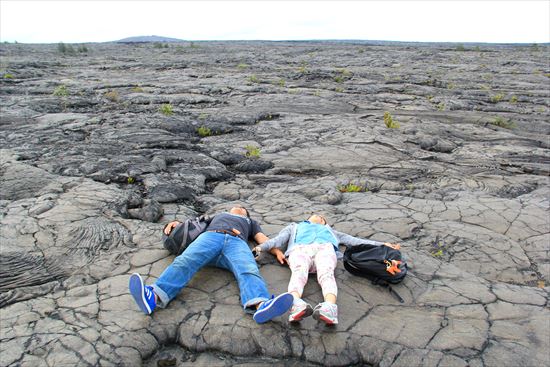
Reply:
x=214, y=249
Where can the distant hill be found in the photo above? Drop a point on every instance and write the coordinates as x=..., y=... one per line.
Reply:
x=148, y=39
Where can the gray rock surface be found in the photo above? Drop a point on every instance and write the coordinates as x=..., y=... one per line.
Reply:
x=91, y=170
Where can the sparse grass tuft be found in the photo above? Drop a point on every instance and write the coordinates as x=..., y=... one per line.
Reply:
x=112, y=95
x=389, y=122
x=513, y=99
x=61, y=91
x=497, y=98
x=253, y=79
x=252, y=151
x=242, y=66
x=351, y=188
x=130, y=180
x=204, y=131
x=166, y=109
x=8, y=76
x=137, y=89
x=281, y=82
x=501, y=122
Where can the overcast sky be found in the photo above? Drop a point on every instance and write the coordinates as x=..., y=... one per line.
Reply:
x=99, y=21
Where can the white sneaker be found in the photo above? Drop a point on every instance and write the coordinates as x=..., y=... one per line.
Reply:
x=326, y=312
x=299, y=310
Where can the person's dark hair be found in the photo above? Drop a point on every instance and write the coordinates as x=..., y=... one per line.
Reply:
x=242, y=207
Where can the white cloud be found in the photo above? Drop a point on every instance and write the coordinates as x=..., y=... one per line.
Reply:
x=98, y=21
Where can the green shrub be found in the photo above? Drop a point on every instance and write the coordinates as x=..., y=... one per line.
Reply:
x=112, y=95
x=204, y=131
x=389, y=122
x=82, y=48
x=351, y=188
x=8, y=76
x=65, y=49
x=497, y=98
x=338, y=79
x=513, y=99
x=166, y=109
x=252, y=151
x=501, y=122
x=61, y=91
x=460, y=47
x=131, y=180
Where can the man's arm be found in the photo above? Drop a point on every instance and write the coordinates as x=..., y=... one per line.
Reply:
x=261, y=238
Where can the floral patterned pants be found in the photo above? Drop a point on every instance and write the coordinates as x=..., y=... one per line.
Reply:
x=320, y=258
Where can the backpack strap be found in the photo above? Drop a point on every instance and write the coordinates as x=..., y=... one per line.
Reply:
x=185, y=231
x=385, y=284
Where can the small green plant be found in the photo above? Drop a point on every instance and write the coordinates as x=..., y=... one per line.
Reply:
x=137, y=89
x=513, y=99
x=281, y=82
x=441, y=106
x=389, y=122
x=179, y=49
x=252, y=151
x=303, y=68
x=339, y=90
x=166, y=109
x=460, y=47
x=61, y=91
x=112, y=95
x=338, y=79
x=317, y=93
x=204, y=131
x=242, y=66
x=253, y=79
x=351, y=188
x=158, y=45
x=131, y=180
x=497, y=98
x=437, y=253
x=8, y=76
x=450, y=85
x=65, y=49
x=501, y=122
x=344, y=72
x=203, y=116
x=82, y=49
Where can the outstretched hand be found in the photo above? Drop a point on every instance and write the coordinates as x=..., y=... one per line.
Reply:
x=281, y=258
x=170, y=226
x=395, y=246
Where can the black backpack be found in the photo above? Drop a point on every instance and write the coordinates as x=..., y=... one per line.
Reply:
x=382, y=265
x=184, y=233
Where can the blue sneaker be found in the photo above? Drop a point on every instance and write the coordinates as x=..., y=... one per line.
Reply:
x=143, y=294
x=274, y=307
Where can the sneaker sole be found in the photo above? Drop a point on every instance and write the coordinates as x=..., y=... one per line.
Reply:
x=299, y=317
x=327, y=321
x=136, y=290
x=317, y=316
x=278, y=306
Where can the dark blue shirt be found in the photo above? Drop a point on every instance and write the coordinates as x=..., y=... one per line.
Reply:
x=247, y=227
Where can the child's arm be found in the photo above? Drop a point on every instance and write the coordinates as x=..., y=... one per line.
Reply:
x=278, y=241
x=348, y=240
